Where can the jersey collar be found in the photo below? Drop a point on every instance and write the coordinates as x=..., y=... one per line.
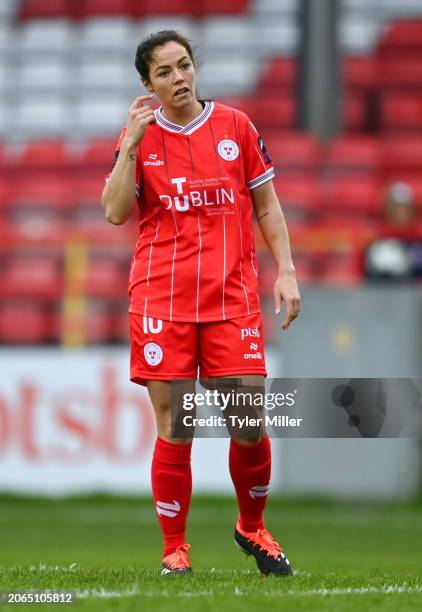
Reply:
x=184, y=129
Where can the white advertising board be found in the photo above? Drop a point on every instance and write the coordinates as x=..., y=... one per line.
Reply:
x=71, y=421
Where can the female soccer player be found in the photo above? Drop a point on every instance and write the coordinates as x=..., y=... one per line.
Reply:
x=198, y=169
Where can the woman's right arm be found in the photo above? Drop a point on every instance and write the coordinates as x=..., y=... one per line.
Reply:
x=118, y=195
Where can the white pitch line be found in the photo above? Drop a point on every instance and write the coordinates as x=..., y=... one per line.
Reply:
x=388, y=589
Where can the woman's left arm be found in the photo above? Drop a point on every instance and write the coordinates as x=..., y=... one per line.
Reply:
x=274, y=230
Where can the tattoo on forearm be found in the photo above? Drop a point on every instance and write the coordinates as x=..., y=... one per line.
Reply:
x=263, y=215
x=132, y=157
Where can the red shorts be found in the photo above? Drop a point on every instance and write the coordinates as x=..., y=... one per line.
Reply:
x=164, y=350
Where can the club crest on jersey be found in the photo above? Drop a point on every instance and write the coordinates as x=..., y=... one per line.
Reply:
x=153, y=353
x=228, y=149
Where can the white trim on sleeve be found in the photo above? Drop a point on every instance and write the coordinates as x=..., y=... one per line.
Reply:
x=261, y=179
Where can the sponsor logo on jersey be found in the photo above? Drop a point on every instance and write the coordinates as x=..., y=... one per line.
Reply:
x=183, y=201
x=259, y=491
x=252, y=356
x=153, y=353
x=249, y=332
x=228, y=149
x=253, y=346
x=156, y=162
x=168, y=509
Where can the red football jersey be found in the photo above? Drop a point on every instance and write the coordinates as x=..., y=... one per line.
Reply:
x=195, y=256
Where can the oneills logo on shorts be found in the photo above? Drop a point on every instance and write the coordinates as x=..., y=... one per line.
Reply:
x=153, y=353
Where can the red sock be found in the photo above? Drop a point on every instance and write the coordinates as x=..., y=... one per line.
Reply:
x=172, y=489
x=250, y=469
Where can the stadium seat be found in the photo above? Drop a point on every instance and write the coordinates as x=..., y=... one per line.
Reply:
x=4, y=194
x=41, y=117
x=28, y=277
x=350, y=154
x=162, y=7
x=269, y=112
x=299, y=196
x=104, y=8
x=106, y=279
x=96, y=154
x=43, y=190
x=402, y=36
x=278, y=73
x=400, y=73
x=47, y=37
x=355, y=194
x=292, y=151
x=41, y=155
x=205, y=8
x=342, y=267
x=354, y=112
x=401, y=112
x=222, y=76
x=100, y=35
x=359, y=72
x=88, y=186
x=402, y=155
x=23, y=324
x=96, y=76
x=98, y=325
x=278, y=37
x=99, y=115
x=43, y=76
x=38, y=9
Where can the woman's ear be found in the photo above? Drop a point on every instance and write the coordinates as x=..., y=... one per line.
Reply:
x=147, y=85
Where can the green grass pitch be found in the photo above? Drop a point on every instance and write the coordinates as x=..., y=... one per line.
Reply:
x=347, y=556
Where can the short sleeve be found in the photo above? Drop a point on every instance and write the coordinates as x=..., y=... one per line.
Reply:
x=258, y=165
x=116, y=151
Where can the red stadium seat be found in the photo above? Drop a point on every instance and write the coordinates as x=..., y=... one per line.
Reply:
x=98, y=325
x=47, y=190
x=351, y=194
x=96, y=154
x=37, y=9
x=270, y=112
x=342, y=268
x=106, y=278
x=298, y=195
x=209, y=8
x=401, y=37
x=4, y=194
x=397, y=73
x=402, y=154
x=40, y=155
x=354, y=111
x=89, y=186
x=278, y=72
x=86, y=9
x=23, y=324
x=401, y=112
x=35, y=277
x=294, y=151
x=359, y=72
x=354, y=154
x=161, y=7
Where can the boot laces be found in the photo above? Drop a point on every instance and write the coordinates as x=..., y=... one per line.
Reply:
x=266, y=542
x=179, y=559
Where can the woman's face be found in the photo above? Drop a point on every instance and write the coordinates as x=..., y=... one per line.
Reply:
x=172, y=76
